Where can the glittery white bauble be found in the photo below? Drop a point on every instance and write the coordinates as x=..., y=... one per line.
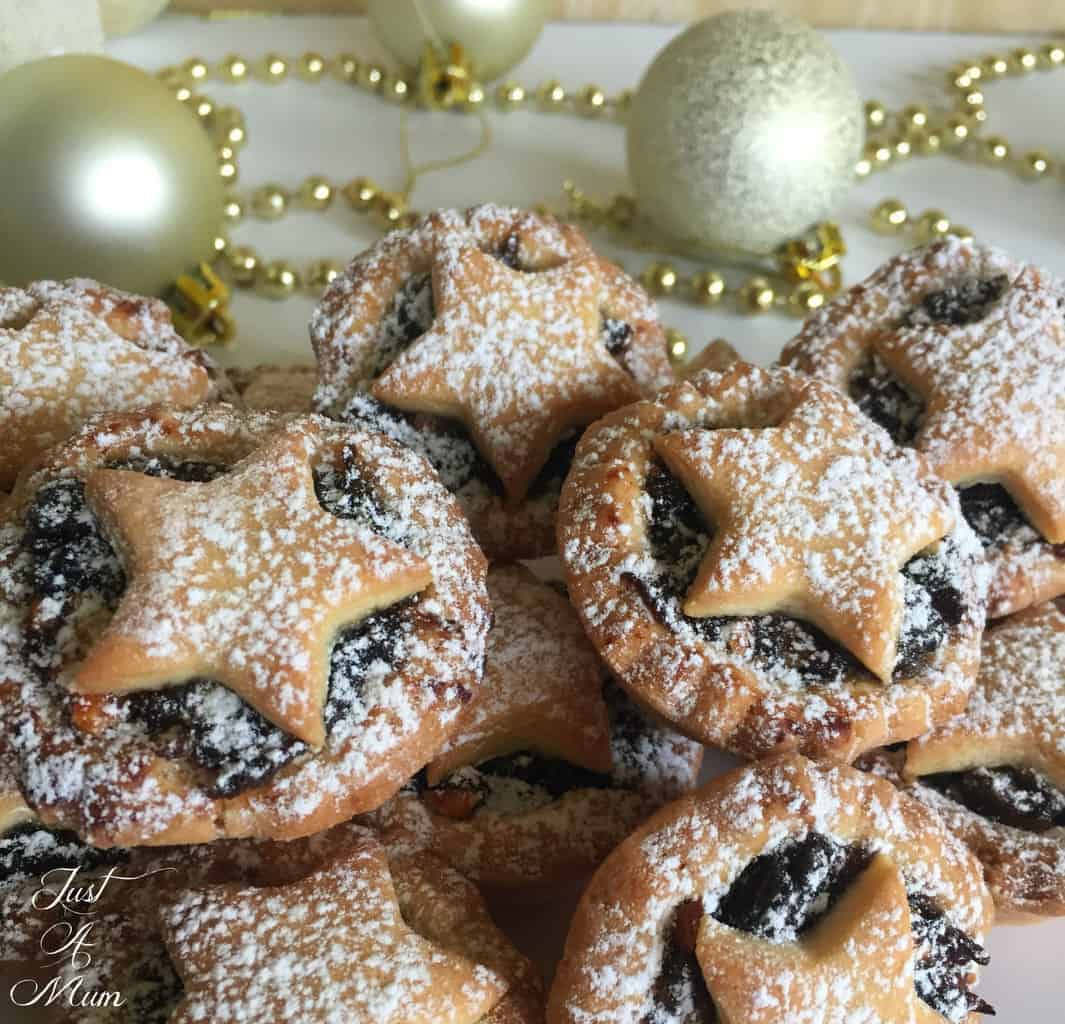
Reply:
x=122, y=16
x=30, y=29
x=744, y=132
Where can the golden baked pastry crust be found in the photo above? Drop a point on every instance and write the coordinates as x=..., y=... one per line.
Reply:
x=690, y=853
x=72, y=349
x=543, y=694
x=105, y=775
x=1016, y=718
x=724, y=683
x=502, y=342
x=977, y=340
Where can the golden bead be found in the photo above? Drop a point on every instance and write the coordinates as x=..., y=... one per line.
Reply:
x=1052, y=55
x=204, y=108
x=227, y=170
x=320, y=275
x=360, y=193
x=229, y=127
x=312, y=66
x=973, y=99
x=269, y=202
x=956, y=130
x=226, y=152
x=994, y=66
x=1022, y=60
x=274, y=68
x=676, y=346
x=183, y=94
x=234, y=68
x=277, y=280
x=1035, y=164
x=875, y=114
x=233, y=210
x=622, y=211
x=396, y=89
x=806, y=297
x=958, y=78
x=996, y=149
x=510, y=95
x=863, y=168
x=315, y=193
x=475, y=97
x=370, y=76
x=659, y=278
x=914, y=116
x=931, y=224
x=623, y=102
x=889, y=217
x=346, y=67
x=592, y=101
x=707, y=287
x=388, y=208
x=756, y=295
x=901, y=147
x=957, y=231
x=408, y=219
x=196, y=69
x=243, y=262
x=879, y=154
x=551, y=95
x=926, y=143
x=219, y=244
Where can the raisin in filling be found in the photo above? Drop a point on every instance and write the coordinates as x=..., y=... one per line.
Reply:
x=679, y=994
x=31, y=850
x=679, y=536
x=151, y=987
x=967, y=302
x=886, y=401
x=444, y=442
x=525, y=780
x=1018, y=797
x=781, y=895
x=201, y=720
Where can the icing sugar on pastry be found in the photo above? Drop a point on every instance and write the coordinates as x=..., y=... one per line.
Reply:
x=191, y=762
x=74, y=348
x=781, y=891
x=819, y=522
x=960, y=351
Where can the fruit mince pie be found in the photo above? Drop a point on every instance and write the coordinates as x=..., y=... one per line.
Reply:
x=552, y=764
x=216, y=623
x=783, y=891
x=960, y=351
x=761, y=566
x=71, y=349
x=486, y=341
x=382, y=934
x=996, y=773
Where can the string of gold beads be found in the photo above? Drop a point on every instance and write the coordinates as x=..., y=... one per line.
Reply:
x=273, y=68
x=754, y=295
x=891, y=217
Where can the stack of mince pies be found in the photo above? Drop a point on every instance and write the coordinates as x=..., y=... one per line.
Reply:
x=273, y=670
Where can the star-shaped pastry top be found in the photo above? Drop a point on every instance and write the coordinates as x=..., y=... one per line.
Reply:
x=515, y=356
x=543, y=684
x=1017, y=712
x=244, y=580
x=855, y=965
x=995, y=396
x=813, y=518
x=72, y=349
x=331, y=949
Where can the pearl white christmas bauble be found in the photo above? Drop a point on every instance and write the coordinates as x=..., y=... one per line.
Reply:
x=744, y=132
x=30, y=29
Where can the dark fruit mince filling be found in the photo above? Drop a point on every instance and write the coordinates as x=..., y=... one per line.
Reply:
x=679, y=536
x=201, y=720
x=31, y=851
x=540, y=779
x=1019, y=797
x=781, y=895
x=443, y=441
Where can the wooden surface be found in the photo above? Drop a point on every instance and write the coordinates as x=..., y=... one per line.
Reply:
x=928, y=15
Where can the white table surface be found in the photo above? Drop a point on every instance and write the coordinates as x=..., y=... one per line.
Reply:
x=297, y=129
